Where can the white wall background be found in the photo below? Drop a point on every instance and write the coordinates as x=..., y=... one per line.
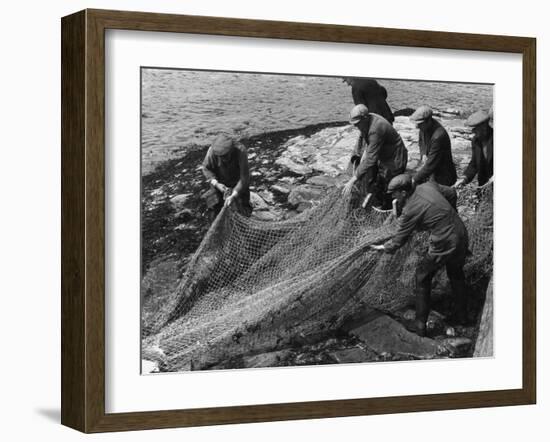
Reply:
x=30, y=221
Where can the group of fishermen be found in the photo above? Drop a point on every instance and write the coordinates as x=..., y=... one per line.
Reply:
x=424, y=200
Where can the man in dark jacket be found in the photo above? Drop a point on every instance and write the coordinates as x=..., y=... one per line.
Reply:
x=425, y=208
x=369, y=92
x=435, y=144
x=481, y=163
x=226, y=169
x=378, y=156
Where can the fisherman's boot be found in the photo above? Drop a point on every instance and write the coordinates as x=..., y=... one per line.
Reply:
x=424, y=274
x=422, y=310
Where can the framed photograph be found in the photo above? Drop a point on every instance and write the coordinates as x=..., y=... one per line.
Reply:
x=266, y=221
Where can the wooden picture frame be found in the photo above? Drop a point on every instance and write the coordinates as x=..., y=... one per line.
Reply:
x=83, y=220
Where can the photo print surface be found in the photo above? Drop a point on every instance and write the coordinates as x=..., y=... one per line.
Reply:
x=294, y=220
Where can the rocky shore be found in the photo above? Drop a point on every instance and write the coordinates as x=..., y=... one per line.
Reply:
x=290, y=172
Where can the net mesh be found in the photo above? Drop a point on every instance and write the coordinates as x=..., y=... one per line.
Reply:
x=254, y=286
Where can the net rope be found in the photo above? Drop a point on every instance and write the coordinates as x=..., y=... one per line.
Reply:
x=254, y=286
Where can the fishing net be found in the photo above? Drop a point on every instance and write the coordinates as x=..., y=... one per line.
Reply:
x=254, y=286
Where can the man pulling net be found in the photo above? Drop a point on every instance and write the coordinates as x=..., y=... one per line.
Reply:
x=226, y=169
x=379, y=155
x=424, y=207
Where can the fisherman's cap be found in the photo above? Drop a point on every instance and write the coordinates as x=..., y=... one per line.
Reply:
x=358, y=113
x=222, y=145
x=421, y=114
x=477, y=118
x=400, y=182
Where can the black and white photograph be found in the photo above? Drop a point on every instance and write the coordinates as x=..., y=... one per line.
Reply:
x=302, y=220
x=248, y=221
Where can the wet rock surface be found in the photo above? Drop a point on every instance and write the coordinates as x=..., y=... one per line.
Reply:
x=171, y=194
x=385, y=335
x=290, y=172
x=266, y=359
x=351, y=355
x=178, y=201
x=305, y=193
x=458, y=347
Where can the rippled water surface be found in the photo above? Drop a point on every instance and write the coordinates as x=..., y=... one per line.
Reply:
x=181, y=108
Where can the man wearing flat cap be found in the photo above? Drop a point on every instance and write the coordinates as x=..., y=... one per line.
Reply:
x=378, y=156
x=426, y=208
x=226, y=169
x=369, y=92
x=481, y=163
x=435, y=144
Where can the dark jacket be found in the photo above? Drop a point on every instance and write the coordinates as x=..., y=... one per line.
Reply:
x=427, y=209
x=233, y=173
x=436, y=145
x=368, y=92
x=380, y=149
x=480, y=165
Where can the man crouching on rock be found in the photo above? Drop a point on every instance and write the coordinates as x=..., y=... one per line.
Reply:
x=379, y=154
x=425, y=208
x=226, y=169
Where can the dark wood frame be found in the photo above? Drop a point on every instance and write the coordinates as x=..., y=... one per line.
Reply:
x=83, y=217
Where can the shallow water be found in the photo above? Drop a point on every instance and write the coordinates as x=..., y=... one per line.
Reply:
x=182, y=108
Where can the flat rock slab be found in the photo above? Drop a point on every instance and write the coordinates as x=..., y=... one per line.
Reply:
x=458, y=347
x=281, y=189
x=328, y=151
x=322, y=180
x=266, y=196
x=299, y=169
x=305, y=193
x=266, y=359
x=358, y=318
x=178, y=201
x=350, y=355
x=384, y=335
x=257, y=202
x=461, y=144
x=303, y=206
